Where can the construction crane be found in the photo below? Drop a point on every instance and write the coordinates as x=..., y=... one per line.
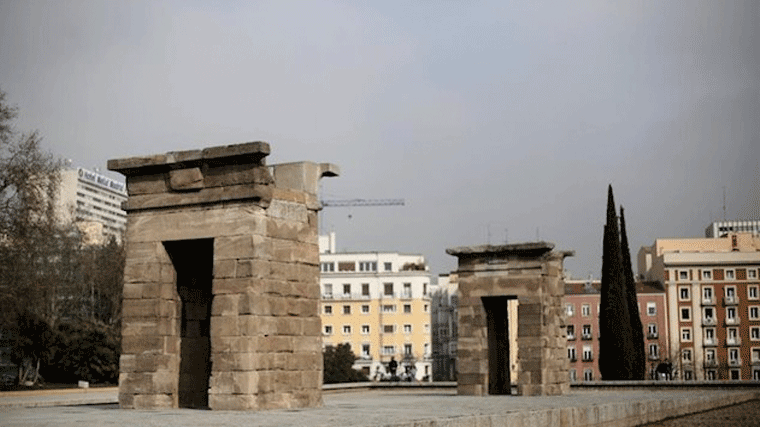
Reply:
x=361, y=202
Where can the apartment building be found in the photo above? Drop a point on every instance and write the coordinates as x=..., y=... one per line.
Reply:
x=582, y=302
x=713, y=295
x=445, y=300
x=92, y=201
x=379, y=303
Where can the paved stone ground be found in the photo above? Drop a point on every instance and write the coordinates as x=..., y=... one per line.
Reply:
x=356, y=408
x=743, y=415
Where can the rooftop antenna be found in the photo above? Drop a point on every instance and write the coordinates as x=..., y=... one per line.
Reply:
x=724, y=203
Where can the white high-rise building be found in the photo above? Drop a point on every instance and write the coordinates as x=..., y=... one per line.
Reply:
x=93, y=202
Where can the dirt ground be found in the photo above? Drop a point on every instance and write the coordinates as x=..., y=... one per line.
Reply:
x=746, y=414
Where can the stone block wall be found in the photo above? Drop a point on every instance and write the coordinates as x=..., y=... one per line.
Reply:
x=530, y=276
x=253, y=312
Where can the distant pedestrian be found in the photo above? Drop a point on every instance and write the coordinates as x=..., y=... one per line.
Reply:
x=392, y=366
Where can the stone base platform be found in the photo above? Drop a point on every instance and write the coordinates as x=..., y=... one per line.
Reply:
x=418, y=406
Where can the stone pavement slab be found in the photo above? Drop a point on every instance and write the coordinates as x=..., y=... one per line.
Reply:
x=413, y=407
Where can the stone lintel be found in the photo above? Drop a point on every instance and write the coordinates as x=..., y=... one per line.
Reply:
x=249, y=152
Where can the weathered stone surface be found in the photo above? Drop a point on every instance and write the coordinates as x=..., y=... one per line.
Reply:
x=254, y=323
x=530, y=274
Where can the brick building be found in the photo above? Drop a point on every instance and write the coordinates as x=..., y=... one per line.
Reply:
x=582, y=300
x=713, y=294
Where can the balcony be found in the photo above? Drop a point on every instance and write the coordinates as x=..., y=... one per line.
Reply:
x=652, y=335
x=327, y=296
x=653, y=357
x=708, y=300
x=588, y=358
x=732, y=321
x=406, y=295
x=710, y=342
x=709, y=321
x=734, y=362
x=711, y=363
x=587, y=336
x=733, y=341
x=730, y=300
x=571, y=337
x=573, y=359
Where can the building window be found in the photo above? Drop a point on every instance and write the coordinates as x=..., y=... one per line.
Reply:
x=346, y=329
x=731, y=316
x=688, y=375
x=572, y=375
x=683, y=293
x=328, y=330
x=707, y=294
x=426, y=308
x=710, y=355
x=685, y=334
x=571, y=354
x=755, y=354
x=686, y=356
x=709, y=314
x=585, y=310
x=328, y=290
x=388, y=266
x=754, y=333
x=407, y=349
x=389, y=308
x=365, y=350
x=756, y=374
x=407, y=308
x=654, y=351
x=327, y=267
x=586, y=332
x=569, y=310
x=652, y=331
x=571, y=332
x=346, y=289
x=752, y=291
x=389, y=329
x=388, y=289
x=365, y=289
x=328, y=309
x=730, y=292
x=346, y=309
x=407, y=328
x=710, y=374
x=407, y=292
x=685, y=314
x=651, y=309
x=754, y=312
x=389, y=350
x=751, y=274
x=367, y=266
x=365, y=329
x=683, y=275
x=588, y=353
x=706, y=274
x=365, y=308
x=733, y=356
x=730, y=275
x=588, y=375
x=732, y=336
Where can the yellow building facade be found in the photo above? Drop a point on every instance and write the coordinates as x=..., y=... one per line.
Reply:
x=379, y=303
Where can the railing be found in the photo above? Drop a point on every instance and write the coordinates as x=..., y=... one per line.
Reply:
x=652, y=335
x=708, y=301
x=708, y=321
x=710, y=363
x=732, y=321
x=730, y=300
x=586, y=336
x=733, y=341
x=588, y=358
x=734, y=362
x=710, y=342
x=571, y=337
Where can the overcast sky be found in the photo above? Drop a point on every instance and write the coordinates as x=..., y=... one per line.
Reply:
x=495, y=121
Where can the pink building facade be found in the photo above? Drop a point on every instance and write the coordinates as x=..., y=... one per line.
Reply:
x=581, y=302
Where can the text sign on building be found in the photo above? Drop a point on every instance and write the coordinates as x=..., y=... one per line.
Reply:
x=101, y=180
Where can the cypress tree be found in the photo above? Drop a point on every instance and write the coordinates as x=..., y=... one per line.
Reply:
x=638, y=356
x=616, y=342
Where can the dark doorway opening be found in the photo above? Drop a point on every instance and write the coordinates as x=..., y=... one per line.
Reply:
x=497, y=318
x=194, y=262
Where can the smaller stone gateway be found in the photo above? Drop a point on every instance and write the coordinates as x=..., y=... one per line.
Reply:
x=503, y=287
x=221, y=282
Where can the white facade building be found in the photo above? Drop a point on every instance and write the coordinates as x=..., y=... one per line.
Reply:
x=93, y=201
x=723, y=228
x=379, y=303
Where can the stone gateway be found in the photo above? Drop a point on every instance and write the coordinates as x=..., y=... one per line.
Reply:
x=511, y=322
x=221, y=282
